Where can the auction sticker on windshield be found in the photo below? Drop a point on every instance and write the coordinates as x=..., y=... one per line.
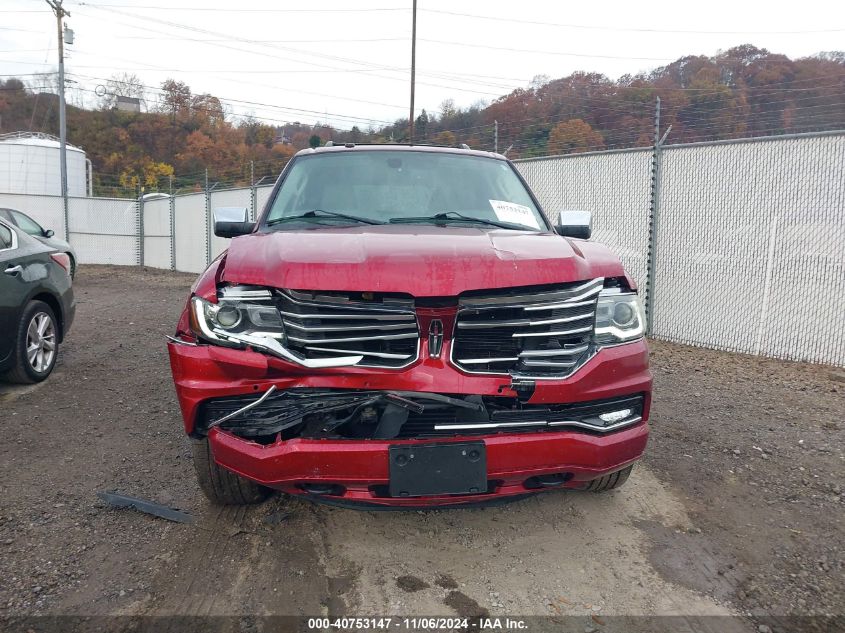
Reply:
x=515, y=213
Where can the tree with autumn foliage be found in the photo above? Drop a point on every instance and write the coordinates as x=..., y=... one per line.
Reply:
x=574, y=136
x=744, y=91
x=446, y=138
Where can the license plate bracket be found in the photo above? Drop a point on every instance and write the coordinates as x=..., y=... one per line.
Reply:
x=418, y=470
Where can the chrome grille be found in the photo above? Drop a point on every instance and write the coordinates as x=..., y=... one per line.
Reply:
x=529, y=334
x=381, y=328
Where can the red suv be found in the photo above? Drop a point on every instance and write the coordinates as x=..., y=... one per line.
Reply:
x=403, y=326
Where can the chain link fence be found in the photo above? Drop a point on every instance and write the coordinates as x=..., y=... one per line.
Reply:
x=738, y=245
x=748, y=237
x=612, y=185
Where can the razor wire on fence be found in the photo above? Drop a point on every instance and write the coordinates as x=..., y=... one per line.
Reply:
x=749, y=241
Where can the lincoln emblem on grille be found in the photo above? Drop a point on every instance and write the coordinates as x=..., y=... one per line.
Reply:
x=435, y=338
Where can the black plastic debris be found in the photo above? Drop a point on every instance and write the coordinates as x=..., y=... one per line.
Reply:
x=143, y=505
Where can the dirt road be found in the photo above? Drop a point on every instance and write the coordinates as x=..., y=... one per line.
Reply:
x=736, y=510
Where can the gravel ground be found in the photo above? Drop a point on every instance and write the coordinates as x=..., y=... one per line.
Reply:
x=737, y=508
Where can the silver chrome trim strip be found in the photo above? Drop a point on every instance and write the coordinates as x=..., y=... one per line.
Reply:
x=375, y=317
x=274, y=347
x=386, y=337
x=556, y=333
x=496, y=425
x=480, y=325
x=533, y=353
x=179, y=341
x=362, y=352
x=587, y=293
x=471, y=303
x=603, y=429
x=249, y=295
x=483, y=361
x=491, y=425
x=557, y=306
x=549, y=363
x=348, y=328
x=343, y=303
x=251, y=405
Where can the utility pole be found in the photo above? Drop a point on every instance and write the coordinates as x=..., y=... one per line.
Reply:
x=413, y=71
x=56, y=6
x=496, y=136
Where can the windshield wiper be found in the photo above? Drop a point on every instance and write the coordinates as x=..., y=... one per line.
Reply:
x=319, y=213
x=454, y=216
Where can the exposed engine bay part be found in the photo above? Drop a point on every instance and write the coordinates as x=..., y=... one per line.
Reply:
x=360, y=414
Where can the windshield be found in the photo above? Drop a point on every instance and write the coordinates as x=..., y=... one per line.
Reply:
x=401, y=186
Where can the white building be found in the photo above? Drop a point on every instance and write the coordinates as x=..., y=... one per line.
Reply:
x=30, y=164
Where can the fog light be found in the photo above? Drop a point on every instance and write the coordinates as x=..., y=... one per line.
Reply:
x=228, y=316
x=615, y=416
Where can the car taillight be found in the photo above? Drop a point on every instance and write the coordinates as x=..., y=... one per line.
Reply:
x=63, y=260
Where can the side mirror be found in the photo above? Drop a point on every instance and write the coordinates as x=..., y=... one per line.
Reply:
x=575, y=224
x=231, y=222
x=49, y=232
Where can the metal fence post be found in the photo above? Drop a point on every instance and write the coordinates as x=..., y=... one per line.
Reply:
x=253, y=193
x=207, y=220
x=654, y=211
x=66, y=205
x=172, y=227
x=140, y=207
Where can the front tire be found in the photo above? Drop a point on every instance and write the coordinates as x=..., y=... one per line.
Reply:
x=221, y=486
x=611, y=481
x=36, y=344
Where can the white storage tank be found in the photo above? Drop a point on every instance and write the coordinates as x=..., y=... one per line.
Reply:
x=30, y=164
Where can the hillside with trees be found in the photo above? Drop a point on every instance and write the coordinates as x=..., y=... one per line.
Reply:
x=742, y=92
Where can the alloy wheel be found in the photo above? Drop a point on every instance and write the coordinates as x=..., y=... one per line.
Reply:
x=41, y=342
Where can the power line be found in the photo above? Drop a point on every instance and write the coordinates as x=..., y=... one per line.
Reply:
x=542, y=52
x=247, y=10
x=345, y=60
x=229, y=101
x=338, y=40
x=593, y=27
x=241, y=101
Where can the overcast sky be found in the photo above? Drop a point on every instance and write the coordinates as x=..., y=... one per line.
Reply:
x=348, y=62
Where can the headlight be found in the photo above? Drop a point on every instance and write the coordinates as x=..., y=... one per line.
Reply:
x=222, y=322
x=619, y=317
x=248, y=316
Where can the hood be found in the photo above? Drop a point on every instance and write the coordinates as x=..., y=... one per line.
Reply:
x=424, y=261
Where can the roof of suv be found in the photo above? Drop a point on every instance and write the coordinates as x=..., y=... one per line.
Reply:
x=351, y=147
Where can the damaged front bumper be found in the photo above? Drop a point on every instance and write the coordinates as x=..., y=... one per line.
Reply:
x=328, y=432
x=359, y=472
